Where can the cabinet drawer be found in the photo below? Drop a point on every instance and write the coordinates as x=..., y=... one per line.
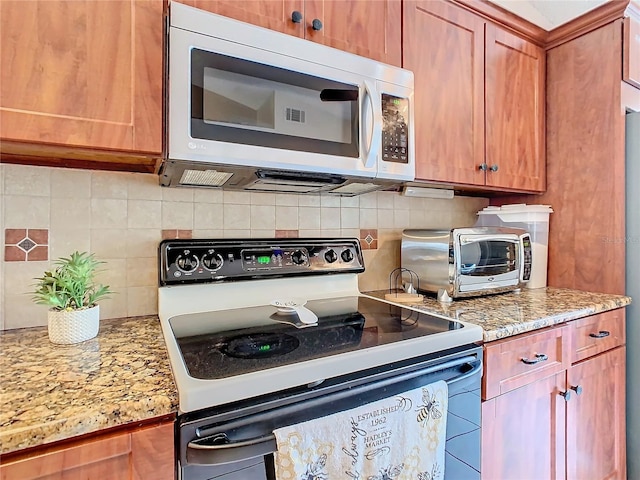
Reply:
x=596, y=333
x=631, y=51
x=512, y=363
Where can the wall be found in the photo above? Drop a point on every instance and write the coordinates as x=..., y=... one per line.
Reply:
x=121, y=218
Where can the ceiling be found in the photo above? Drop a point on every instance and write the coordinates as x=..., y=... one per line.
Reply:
x=549, y=14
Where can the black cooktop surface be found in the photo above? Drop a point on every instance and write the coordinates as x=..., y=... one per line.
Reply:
x=233, y=342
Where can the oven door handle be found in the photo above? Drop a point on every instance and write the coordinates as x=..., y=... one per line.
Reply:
x=219, y=449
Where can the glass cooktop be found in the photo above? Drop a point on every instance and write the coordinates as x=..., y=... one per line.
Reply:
x=226, y=343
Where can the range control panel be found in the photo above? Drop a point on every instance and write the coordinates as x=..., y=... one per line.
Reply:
x=188, y=261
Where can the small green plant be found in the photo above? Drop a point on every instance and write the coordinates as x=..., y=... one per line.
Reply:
x=71, y=285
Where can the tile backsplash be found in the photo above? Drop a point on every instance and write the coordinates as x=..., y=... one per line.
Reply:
x=47, y=213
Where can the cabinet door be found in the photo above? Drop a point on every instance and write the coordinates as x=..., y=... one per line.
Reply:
x=631, y=51
x=596, y=418
x=82, y=73
x=363, y=27
x=444, y=46
x=514, y=105
x=523, y=432
x=275, y=15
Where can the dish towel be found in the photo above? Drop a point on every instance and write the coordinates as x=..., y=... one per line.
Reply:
x=400, y=437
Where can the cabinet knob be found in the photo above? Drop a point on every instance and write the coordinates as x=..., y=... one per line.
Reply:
x=577, y=389
x=316, y=24
x=296, y=17
x=566, y=395
x=483, y=167
x=600, y=334
x=494, y=168
x=540, y=357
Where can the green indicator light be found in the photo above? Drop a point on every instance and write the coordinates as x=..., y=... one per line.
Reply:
x=264, y=348
x=396, y=102
x=264, y=260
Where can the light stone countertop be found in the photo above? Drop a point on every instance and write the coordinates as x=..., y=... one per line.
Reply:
x=507, y=314
x=54, y=392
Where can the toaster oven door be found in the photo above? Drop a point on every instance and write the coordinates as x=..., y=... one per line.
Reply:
x=487, y=262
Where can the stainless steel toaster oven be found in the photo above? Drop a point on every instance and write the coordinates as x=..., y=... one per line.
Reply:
x=466, y=262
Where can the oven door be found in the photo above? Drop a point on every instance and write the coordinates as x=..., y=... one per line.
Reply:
x=237, y=442
x=487, y=261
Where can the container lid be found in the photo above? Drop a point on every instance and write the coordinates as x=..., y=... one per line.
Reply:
x=516, y=208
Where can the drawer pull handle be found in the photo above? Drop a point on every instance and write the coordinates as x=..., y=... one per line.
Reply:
x=540, y=357
x=566, y=395
x=600, y=334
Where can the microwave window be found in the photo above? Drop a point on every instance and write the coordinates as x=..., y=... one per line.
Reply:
x=240, y=101
x=487, y=258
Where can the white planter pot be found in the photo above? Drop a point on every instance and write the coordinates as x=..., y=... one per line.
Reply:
x=73, y=326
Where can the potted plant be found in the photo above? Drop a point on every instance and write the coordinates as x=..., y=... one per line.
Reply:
x=72, y=294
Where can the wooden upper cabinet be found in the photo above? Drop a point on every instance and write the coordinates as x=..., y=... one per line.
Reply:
x=372, y=29
x=479, y=99
x=514, y=110
x=444, y=47
x=81, y=73
x=631, y=51
x=275, y=15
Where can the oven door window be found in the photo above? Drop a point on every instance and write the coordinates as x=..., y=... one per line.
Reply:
x=245, y=102
x=488, y=258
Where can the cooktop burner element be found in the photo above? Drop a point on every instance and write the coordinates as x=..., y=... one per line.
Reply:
x=244, y=318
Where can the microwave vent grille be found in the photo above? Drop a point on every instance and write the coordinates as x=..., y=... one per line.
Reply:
x=209, y=178
x=295, y=115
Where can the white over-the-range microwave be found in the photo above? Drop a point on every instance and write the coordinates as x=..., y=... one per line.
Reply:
x=253, y=109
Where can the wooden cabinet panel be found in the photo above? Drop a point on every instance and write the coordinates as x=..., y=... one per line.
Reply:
x=370, y=29
x=596, y=418
x=631, y=51
x=272, y=15
x=523, y=432
x=141, y=454
x=479, y=99
x=512, y=363
x=82, y=73
x=363, y=27
x=444, y=47
x=597, y=333
x=514, y=106
x=154, y=453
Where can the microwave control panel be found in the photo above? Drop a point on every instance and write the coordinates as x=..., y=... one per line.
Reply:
x=395, y=135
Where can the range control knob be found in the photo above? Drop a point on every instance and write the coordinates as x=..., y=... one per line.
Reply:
x=187, y=261
x=347, y=255
x=299, y=257
x=212, y=260
x=330, y=255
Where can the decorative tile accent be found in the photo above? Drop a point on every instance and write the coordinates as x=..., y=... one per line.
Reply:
x=172, y=234
x=369, y=239
x=24, y=245
x=287, y=234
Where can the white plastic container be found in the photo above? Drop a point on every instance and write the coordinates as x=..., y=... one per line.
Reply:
x=534, y=219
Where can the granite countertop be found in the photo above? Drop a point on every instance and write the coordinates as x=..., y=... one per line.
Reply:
x=507, y=314
x=55, y=392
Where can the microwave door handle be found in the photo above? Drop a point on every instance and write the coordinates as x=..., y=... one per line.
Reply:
x=372, y=124
x=481, y=238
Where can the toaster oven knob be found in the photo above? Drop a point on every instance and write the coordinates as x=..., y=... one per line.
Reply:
x=298, y=257
x=330, y=256
x=347, y=255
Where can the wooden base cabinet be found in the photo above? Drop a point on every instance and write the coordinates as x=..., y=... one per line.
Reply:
x=552, y=421
x=142, y=454
x=479, y=99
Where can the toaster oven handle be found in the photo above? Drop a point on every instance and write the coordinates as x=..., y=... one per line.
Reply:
x=372, y=144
